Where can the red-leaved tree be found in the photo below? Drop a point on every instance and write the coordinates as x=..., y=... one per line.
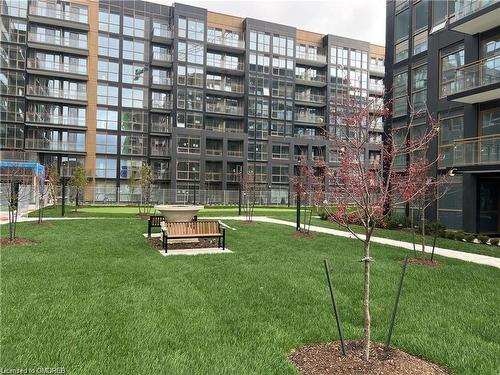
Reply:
x=364, y=193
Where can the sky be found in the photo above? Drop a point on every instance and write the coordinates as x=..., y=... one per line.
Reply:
x=357, y=19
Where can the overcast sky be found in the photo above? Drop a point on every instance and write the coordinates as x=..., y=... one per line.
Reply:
x=358, y=19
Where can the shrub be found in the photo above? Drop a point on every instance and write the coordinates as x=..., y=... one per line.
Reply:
x=394, y=223
x=494, y=241
x=470, y=238
x=432, y=227
x=459, y=236
x=483, y=239
x=449, y=234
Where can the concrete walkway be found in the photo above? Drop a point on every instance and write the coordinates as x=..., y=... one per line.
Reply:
x=468, y=257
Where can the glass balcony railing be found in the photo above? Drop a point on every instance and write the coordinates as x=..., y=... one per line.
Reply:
x=162, y=56
x=57, y=40
x=213, y=151
x=57, y=93
x=377, y=68
x=213, y=176
x=161, y=127
x=471, y=151
x=229, y=110
x=160, y=151
x=44, y=144
x=311, y=57
x=236, y=88
x=315, y=119
x=162, y=31
x=54, y=66
x=222, y=41
x=161, y=174
x=161, y=104
x=311, y=77
x=48, y=118
x=465, y=7
x=313, y=98
x=235, y=153
x=222, y=127
x=377, y=89
x=73, y=14
x=226, y=65
x=165, y=81
x=478, y=74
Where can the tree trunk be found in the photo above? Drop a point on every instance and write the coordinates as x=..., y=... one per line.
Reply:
x=366, y=301
x=423, y=231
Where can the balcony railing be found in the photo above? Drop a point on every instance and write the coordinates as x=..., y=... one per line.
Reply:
x=164, y=81
x=57, y=40
x=376, y=89
x=226, y=65
x=54, y=66
x=72, y=14
x=163, y=32
x=213, y=176
x=228, y=110
x=229, y=42
x=233, y=177
x=472, y=151
x=214, y=151
x=377, y=68
x=160, y=56
x=478, y=74
x=315, y=119
x=43, y=144
x=47, y=118
x=235, y=153
x=57, y=93
x=309, y=77
x=236, y=88
x=465, y=7
x=161, y=175
x=161, y=127
x=311, y=57
x=313, y=98
x=160, y=151
x=161, y=104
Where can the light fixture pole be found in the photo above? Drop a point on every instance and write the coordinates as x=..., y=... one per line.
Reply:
x=298, y=198
x=194, y=186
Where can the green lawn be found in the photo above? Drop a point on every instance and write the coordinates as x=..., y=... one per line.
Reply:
x=278, y=213
x=93, y=297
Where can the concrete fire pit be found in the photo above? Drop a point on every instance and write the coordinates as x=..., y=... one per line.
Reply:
x=173, y=212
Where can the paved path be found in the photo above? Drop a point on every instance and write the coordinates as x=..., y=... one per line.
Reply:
x=468, y=257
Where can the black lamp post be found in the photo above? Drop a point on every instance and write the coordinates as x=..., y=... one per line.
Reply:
x=194, y=186
x=298, y=198
x=64, y=180
x=239, y=171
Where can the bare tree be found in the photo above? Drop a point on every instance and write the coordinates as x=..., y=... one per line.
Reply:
x=146, y=182
x=15, y=190
x=53, y=182
x=42, y=191
x=78, y=181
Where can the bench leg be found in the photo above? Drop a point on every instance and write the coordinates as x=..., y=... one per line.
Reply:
x=223, y=239
x=149, y=228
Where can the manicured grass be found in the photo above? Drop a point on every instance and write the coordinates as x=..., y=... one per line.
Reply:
x=93, y=297
x=278, y=213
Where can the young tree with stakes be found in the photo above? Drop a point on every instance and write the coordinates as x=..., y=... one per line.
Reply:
x=365, y=195
x=78, y=181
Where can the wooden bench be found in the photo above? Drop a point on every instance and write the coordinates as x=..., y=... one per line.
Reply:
x=154, y=222
x=192, y=229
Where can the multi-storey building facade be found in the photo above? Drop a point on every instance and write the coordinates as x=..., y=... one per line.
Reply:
x=199, y=95
x=445, y=55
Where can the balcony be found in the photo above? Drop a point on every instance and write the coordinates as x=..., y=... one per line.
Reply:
x=222, y=66
x=213, y=151
x=310, y=119
x=227, y=88
x=468, y=152
x=476, y=16
x=213, y=176
x=225, y=44
x=161, y=127
x=160, y=151
x=225, y=128
x=235, y=153
x=376, y=89
x=162, y=81
x=161, y=104
x=54, y=66
x=314, y=59
x=59, y=42
x=477, y=82
x=162, y=32
x=313, y=99
x=48, y=145
x=75, y=17
x=377, y=70
x=47, y=118
x=316, y=80
x=226, y=110
x=163, y=58
x=160, y=174
x=57, y=93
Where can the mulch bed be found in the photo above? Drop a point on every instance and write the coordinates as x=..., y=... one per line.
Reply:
x=424, y=262
x=16, y=241
x=302, y=234
x=246, y=222
x=327, y=359
x=202, y=244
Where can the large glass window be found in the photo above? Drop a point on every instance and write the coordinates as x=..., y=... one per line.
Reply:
x=133, y=50
x=107, y=70
x=195, y=53
x=133, y=74
x=196, y=29
x=107, y=119
x=109, y=22
x=133, y=26
x=133, y=98
x=106, y=143
x=401, y=32
x=109, y=46
x=400, y=93
x=419, y=86
x=490, y=122
x=451, y=128
x=182, y=26
x=107, y=95
x=450, y=203
x=449, y=64
x=105, y=167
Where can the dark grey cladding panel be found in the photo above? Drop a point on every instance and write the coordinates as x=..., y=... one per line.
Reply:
x=270, y=27
x=160, y=10
x=335, y=40
x=188, y=10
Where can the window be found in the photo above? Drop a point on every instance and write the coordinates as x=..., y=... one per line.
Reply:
x=133, y=144
x=441, y=12
x=419, y=86
x=15, y=8
x=107, y=95
x=11, y=135
x=279, y=45
x=181, y=27
x=133, y=74
x=162, y=29
x=188, y=170
x=195, y=53
x=258, y=128
x=12, y=83
x=11, y=109
x=196, y=30
x=259, y=63
x=400, y=94
x=258, y=85
x=107, y=70
x=281, y=152
x=260, y=41
x=133, y=50
x=281, y=129
x=279, y=174
x=194, y=100
x=161, y=53
x=258, y=106
x=109, y=22
x=13, y=56
x=109, y=46
x=181, y=51
x=449, y=63
x=258, y=151
x=194, y=120
x=161, y=100
x=161, y=77
x=13, y=31
x=420, y=15
x=195, y=76
x=133, y=26
x=420, y=42
x=450, y=203
x=451, y=128
x=107, y=119
x=401, y=31
x=130, y=168
x=188, y=145
x=490, y=122
x=106, y=143
x=105, y=167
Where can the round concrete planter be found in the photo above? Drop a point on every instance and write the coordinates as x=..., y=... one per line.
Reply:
x=174, y=213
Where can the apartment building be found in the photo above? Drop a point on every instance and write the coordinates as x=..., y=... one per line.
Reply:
x=201, y=96
x=446, y=55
